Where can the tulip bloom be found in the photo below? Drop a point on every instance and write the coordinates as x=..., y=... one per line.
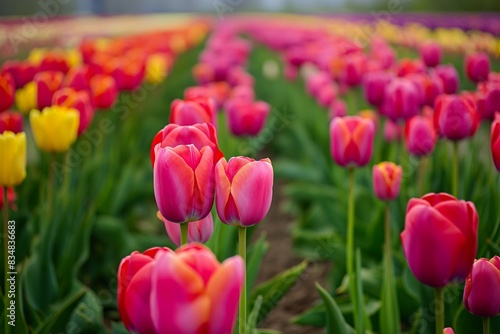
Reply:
x=392, y=131
x=402, y=100
x=455, y=117
x=246, y=118
x=78, y=78
x=104, y=91
x=316, y=81
x=21, y=72
x=184, y=182
x=449, y=78
x=326, y=95
x=374, y=87
x=198, y=231
x=495, y=141
x=440, y=238
x=337, y=109
x=7, y=89
x=477, y=67
x=68, y=97
x=201, y=110
x=13, y=155
x=351, y=140
x=11, y=198
x=420, y=135
x=11, y=121
x=244, y=190
x=157, y=66
x=243, y=92
x=199, y=135
x=47, y=83
x=448, y=330
x=387, y=180
x=482, y=293
x=191, y=282
x=431, y=54
x=55, y=128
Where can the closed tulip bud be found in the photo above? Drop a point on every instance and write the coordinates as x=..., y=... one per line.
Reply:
x=440, y=238
x=201, y=110
x=244, y=190
x=420, y=135
x=477, y=66
x=104, y=91
x=11, y=198
x=198, y=231
x=337, y=109
x=11, y=121
x=402, y=100
x=68, y=97
x=352, y=72
x=495, y=141
x=316, y=81
x=246, y=118
x=433, y=87
x=245, y=93
x=21, y=72
x=7, y=89
x=448, y=330
x=199, y=135
x=455, y=116
x=374, y=84
x=184, y=182
x=55, y=128
x=47, y=83
x=78, y=78
x=351, y=140
x=488, y=99
x=481, y=294
x=134, y=290
x=326, y=95
x=387, y=180
x=449, y=78
x=192, y=281
x=431, y=54
x=392, y=131
x=13, y=153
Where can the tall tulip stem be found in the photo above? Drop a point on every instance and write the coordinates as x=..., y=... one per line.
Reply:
x=422, y=166
x=350, y=247
x=242, y=236
x=455, y=169
x=5, y=212
x=439, y=309
x=486, y=325
x=50, y=185
x=184, y=233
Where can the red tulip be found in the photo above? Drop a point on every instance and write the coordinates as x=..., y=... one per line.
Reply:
x=198, y=231
x=7, y=89
x=387, y=180
x=47, y=83
x=246, y=118
x=482, y=288
x=11, y=121
x=78, y=78
x=449, y=78
x=351, y=140
x=191, y=112
x=104, y=91
x=128, y=72
x=477, y=66
x=21, y=72
x=374, y=86
x=184, y=182
x=495, y=141
x=409, y=66
x=402, y=100
x=440, y=238
x=199, y=135
x=455, y=116
x=11, y=198
x=420, y=135
x=79, y=100
x=244, y=190
x=431, y=54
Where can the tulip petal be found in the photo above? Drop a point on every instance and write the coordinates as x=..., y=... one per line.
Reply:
x=200, y=259
x=484, y=297
x=137, y=304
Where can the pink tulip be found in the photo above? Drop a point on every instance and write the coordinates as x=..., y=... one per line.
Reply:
x=352, y=71
x=488, y=99
x=402, y=100
x=495, y=141
x=244, y=190
x=316, y=81
x=183, y=182
x=243, y=92
x=337, y=109
x=246, y=118
x=387, y=180
x=374, y=86
x=477, y=67
x=392, y=131
x=198, y=231
x=440, y=238
x=201, y=110
x=351, y=140
x=448, y=330
x=326, y=95
x=455, y=116
x=420, y=135
x=431, y=54
x=482, y=288
x=449, y=78
x=191, y=292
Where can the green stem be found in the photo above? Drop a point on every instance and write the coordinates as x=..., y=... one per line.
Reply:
x=486, y=325
x=5, y=212
x=242, y=236
x=388, y=256
x=50, y=185
x=439, y=309
x=455, y=170
x=350, y=250
x=421, y=176
x=184, y=233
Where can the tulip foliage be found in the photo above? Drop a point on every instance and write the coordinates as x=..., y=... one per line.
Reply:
x=139, y=171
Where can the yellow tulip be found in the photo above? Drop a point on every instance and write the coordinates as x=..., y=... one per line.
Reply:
x=55, y=128
x=156, y=68
x=26, y=97
x=13, y=157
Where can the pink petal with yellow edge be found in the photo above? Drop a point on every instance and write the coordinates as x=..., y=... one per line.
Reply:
x=432, y=245
x=137, y=303
x=495, y=260
x=200, y=258
x=340, y=137
x=173, y=185
x=224, y=289
x=177, y=301
x=252, y=190
x=222, y=188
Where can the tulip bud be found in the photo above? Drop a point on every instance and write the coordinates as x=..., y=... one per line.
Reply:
x=495, y=141
x=392, y=131
x=203, y=73
x=449, y=78
x=13, y=151
x=448, y=330
x=352, y=72
x=351, y=140
x=245, y=93
x=184, y=182
x=387, y=180
x=440, y=238
x=244, y=190
x=7, y=89
x=326, y=95
x=337, y=109
x=55, y=128
x=11, y=121
x=455, y=117
x=316, y=81
x=78, y=78
x=420, y=135
x=47, y=83
x=431, y=54
x=191, y=112
x=246, y=118
x=374, y=86
x=104, y=91
x=198, y=231
x=21, y=72
x=68, y=97
x=481, y=294
x=402, y=100
x=477, y=66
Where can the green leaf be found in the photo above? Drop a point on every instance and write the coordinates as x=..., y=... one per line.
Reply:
x=335, y=322
x=389, y=312
x=253, y=316
x=267, y=331
x=275, y=288
x=87, y=316
x=357, y=300
x=255, y=255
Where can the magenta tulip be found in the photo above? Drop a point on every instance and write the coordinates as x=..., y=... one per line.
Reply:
x=477, y=67
x=431, y=54
x=374, y=84
x=189, y=112
x=455, y=116
x=495, y=141
x=449, y=78
x=337, y=109
x=420, y=135
x=246, y=118
x=351, y=140
x=482, y=288
x=402, y=100
x=392, y=131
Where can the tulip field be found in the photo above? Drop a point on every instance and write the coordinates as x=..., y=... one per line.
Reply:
x=182, y=174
